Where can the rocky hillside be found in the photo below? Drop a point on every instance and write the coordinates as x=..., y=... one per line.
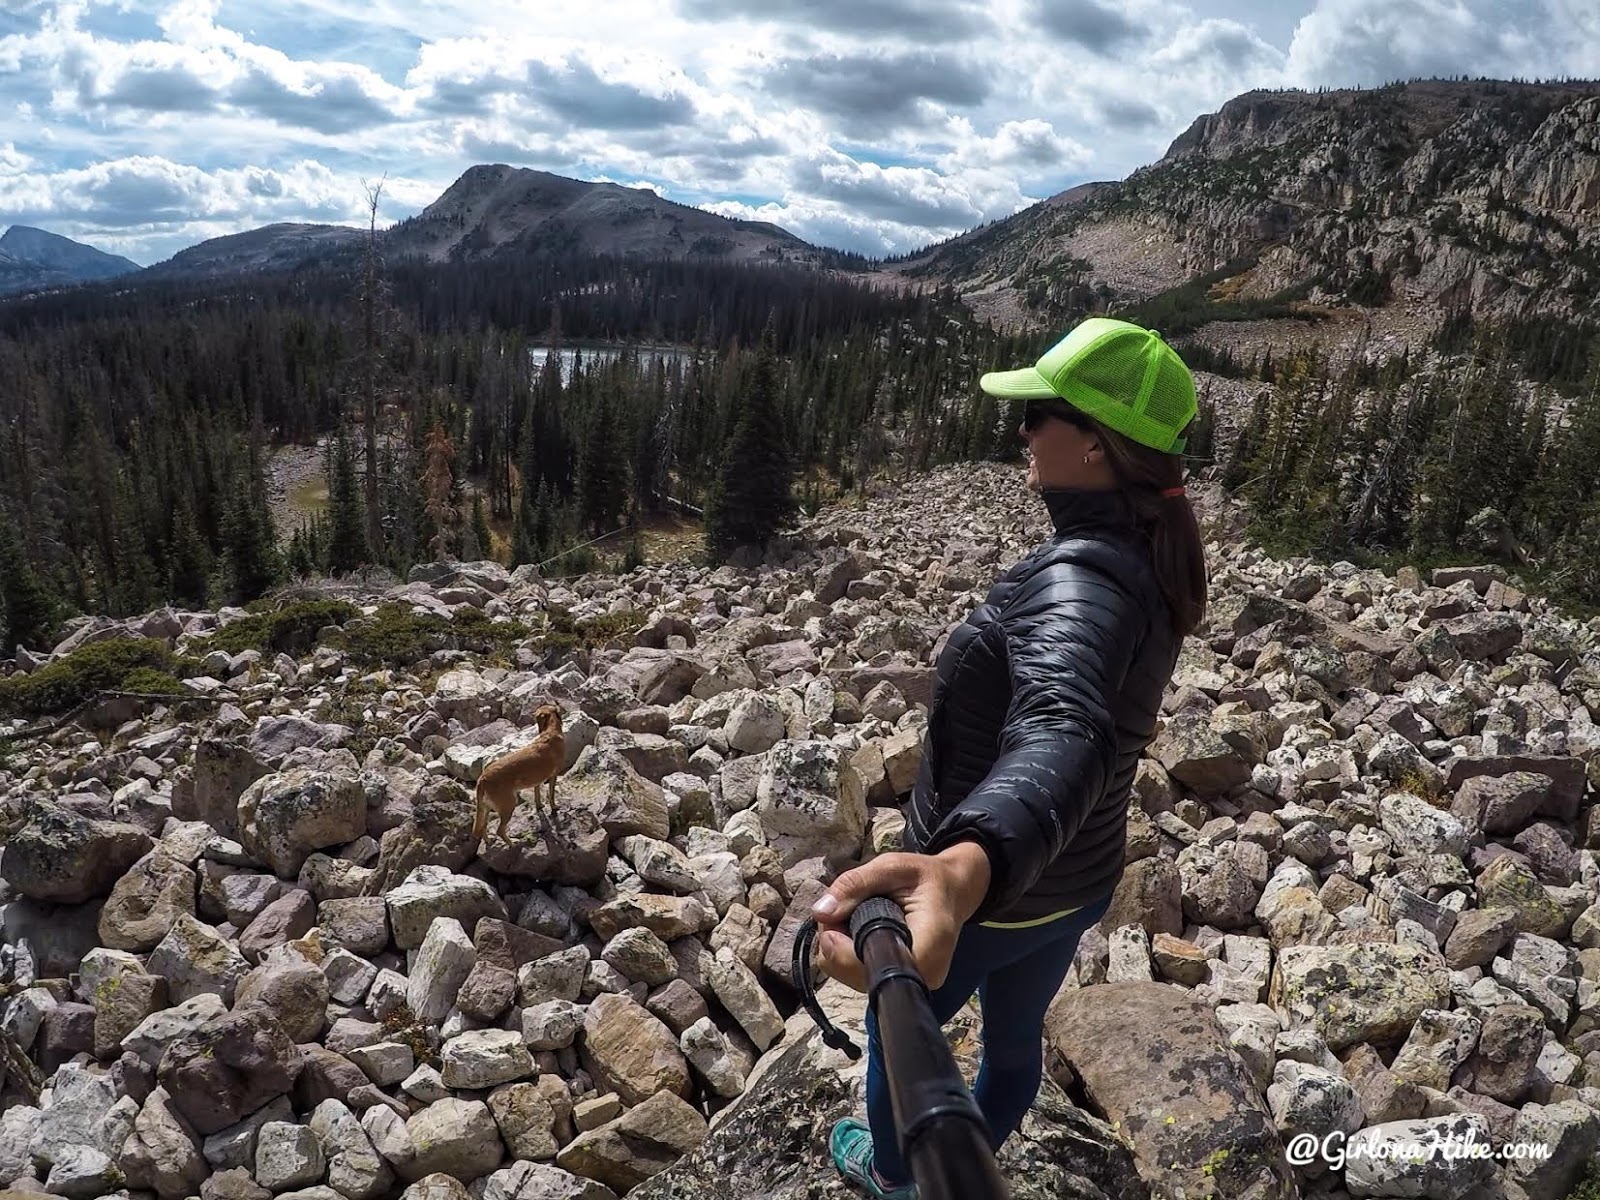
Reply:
x=1427, y=194
x=32, y=259
x=270, y=248
x=495, y=208
x=256, y=952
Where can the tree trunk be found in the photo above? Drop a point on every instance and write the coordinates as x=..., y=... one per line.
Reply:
x=369, y=306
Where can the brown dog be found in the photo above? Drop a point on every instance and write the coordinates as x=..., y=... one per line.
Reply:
x=537, y=763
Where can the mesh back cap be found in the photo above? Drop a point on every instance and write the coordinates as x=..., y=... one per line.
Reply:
x=1121, y=374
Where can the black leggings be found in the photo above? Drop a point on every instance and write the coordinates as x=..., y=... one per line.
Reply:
x=1016, y=973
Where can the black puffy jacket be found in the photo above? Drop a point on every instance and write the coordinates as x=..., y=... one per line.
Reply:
x=1043, y=700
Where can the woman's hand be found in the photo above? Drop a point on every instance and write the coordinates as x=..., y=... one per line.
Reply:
x=938, y=892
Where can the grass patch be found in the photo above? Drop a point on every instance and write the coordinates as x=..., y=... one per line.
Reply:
x=117, y=664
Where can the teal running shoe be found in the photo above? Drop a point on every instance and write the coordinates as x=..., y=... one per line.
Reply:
x=851, y=1144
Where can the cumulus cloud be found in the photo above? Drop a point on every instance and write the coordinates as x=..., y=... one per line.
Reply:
x=925, y=21
x=868, y=91
x=199, y=68
x=1370, y=42
x=576, y=92
x=157, y=206
x=879, y=125
x=1091, y=24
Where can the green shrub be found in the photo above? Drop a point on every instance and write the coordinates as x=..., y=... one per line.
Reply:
x=290, y=630
x=395, y=635
x=154, y=681
x=88, y=670
x=1587, y=1188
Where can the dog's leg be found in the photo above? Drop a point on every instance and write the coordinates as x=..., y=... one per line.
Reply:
x=480, y=822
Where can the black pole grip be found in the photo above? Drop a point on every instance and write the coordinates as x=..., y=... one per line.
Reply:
x=873, y=914
x=942, y=1133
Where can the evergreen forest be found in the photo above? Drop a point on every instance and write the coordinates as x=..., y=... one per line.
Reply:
x=137, y=422
x=137, y=425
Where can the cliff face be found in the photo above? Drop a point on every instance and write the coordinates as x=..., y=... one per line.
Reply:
x=1433, y=193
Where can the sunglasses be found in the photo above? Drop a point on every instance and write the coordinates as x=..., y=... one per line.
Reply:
x=1039, y=411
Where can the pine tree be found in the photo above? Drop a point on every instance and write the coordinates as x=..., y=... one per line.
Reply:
x=189, y=559
x=604, y=474
x=250, y=549
x=480, y=528
x=28, y=611
x=347, y=538
x=437, y=485
x=752, y=497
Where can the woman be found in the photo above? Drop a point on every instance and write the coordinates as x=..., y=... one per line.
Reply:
x=1045, y=697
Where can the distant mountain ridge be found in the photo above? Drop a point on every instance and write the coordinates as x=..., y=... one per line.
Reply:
x=490, y=210
x=33, y=259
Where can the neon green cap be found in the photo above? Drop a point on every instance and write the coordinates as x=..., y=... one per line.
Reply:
x=1121, y=374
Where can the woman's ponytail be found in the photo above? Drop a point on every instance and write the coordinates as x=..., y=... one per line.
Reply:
x=1152, y=482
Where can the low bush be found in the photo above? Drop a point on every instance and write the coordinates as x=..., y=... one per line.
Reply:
x=290, y=630
x=97, y=667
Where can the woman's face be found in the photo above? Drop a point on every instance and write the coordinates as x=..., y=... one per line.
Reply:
x=1061, y=452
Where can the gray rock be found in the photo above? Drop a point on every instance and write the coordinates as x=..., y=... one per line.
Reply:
x=707, y=1049
x=641, y=955
x=736, y=986
x=19, y=1125
x=810, y=801
x=1370, y=992
x=1570, y=1132
x=195, y=959
x=1439, y=1043
x=443, y=962
x=555, y=977
x=283, y=817
x=485, y=1058
x=80, y=1102
x=542, y=1181
x=80, y=1173
x=452, y=1137
x=526, y=1120
x=288, y=1156
x=228, y=1068
x=355, y=1169
x=146, y=901
x=162, y=1154
x=551, y=1024
x=1419, y=828
x=1311, y=1099
x=60, y=856
x=235, y=1147
x=431, y=892
x=1376, y=1164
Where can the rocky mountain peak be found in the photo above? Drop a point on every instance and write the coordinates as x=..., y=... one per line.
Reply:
x=1420, y=197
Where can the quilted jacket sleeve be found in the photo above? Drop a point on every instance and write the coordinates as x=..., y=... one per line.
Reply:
x=1071, y=636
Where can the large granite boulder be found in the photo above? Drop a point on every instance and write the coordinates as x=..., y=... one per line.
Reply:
x=1155, y=1060
x=773, y=1140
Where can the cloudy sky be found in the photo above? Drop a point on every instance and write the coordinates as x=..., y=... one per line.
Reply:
x=143, y=126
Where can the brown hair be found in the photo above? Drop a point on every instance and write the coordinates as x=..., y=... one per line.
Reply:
x=1176, y=546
